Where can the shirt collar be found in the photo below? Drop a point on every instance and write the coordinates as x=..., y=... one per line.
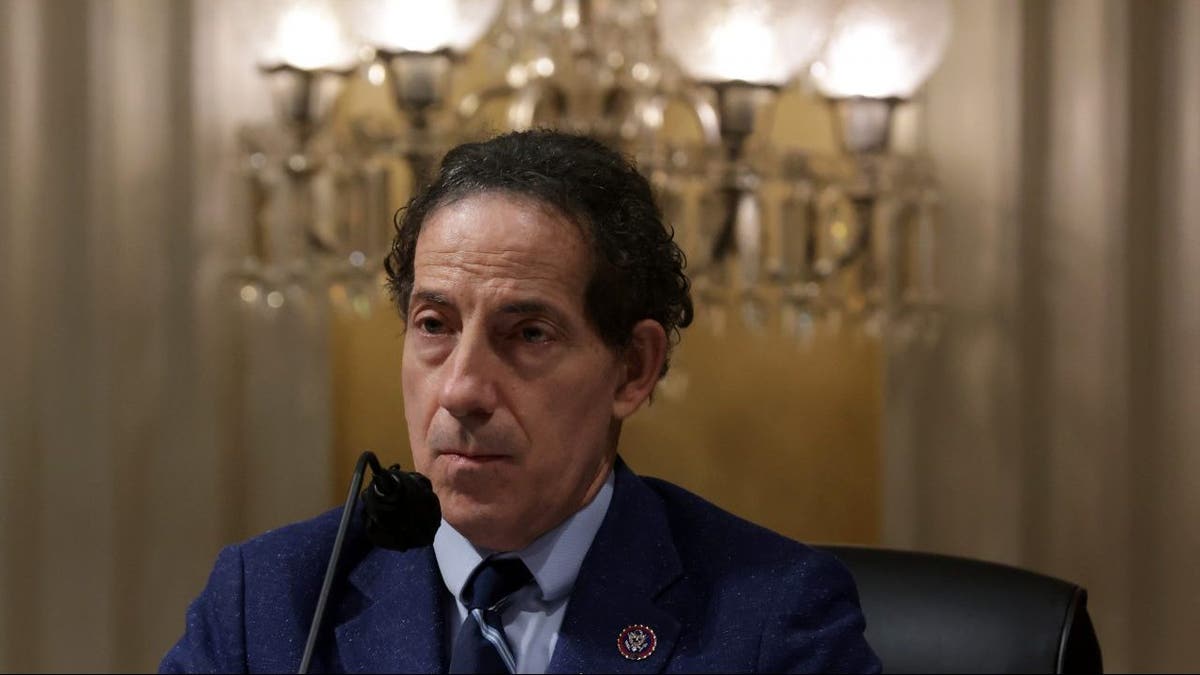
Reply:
x=554, y=558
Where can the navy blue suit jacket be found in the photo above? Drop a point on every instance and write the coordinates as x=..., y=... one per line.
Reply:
x=721, y=595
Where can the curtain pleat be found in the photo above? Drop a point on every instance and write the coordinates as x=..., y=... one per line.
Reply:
x=136, y=437
x=1050, y=428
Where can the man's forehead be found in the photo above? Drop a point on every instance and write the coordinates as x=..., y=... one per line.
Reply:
x=506, y=254
x=495, y=233
x=523, y=269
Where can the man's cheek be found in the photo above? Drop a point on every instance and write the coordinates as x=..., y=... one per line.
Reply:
x=422, y=456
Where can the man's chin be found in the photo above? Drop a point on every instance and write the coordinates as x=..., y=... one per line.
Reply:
x=485, y=530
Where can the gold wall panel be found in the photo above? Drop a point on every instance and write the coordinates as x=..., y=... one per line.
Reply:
x=787, y=438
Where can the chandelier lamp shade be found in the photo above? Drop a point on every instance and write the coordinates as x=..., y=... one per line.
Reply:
x=755, y=42
x=883, y=49
x=423, y=26
x=791, y=240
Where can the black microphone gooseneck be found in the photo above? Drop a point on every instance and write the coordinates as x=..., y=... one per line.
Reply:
x=400, y=511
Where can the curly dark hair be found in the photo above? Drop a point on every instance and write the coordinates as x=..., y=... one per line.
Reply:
x=637, y=270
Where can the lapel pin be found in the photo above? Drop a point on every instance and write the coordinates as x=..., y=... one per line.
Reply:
x=636, y=642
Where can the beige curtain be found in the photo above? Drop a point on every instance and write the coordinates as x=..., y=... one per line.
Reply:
x=1056, y=425
x=135, y=410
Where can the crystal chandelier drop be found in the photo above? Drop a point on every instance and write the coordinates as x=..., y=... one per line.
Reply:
x=777, y=239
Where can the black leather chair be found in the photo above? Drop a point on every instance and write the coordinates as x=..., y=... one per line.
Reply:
x=929, y=613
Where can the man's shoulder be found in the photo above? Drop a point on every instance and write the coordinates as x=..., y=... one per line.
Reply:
x=316, y=528
x=743, y=584
x=299, y=547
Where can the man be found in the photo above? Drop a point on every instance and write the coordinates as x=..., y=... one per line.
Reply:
x=541, y=295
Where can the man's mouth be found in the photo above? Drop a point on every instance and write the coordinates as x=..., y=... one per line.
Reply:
x=473, y=458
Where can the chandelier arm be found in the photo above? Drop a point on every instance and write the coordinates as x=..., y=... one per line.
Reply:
x=705, y=113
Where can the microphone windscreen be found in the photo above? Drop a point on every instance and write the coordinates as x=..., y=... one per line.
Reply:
x=401, y=510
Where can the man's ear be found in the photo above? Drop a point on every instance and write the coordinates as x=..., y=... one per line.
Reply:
x=642, y=360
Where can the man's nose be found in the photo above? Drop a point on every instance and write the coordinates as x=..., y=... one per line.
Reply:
x=469, y=388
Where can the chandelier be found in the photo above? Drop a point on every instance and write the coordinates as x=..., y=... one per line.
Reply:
x=778, y=239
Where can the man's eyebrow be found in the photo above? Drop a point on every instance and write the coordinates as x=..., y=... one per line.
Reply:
x=530, y=307
x=432, y=297
x=515, y=307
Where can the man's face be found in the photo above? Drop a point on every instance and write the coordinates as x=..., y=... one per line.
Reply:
x=508, y=389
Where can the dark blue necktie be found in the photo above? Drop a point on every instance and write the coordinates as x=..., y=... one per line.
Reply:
x=481, y=646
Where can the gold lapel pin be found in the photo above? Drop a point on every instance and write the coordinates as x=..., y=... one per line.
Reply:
x=636, y=642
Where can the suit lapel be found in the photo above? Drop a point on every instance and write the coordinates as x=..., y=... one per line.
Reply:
x=631, y=562
x=400, y=627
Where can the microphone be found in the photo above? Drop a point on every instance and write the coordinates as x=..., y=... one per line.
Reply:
x=400, y=511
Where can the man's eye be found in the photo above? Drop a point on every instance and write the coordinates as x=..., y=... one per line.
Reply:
x=534, y=334
x=431, y=326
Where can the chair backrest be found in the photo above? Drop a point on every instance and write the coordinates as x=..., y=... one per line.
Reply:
x=930, y=613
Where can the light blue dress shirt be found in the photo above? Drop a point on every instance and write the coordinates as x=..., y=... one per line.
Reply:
x=532, y=619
